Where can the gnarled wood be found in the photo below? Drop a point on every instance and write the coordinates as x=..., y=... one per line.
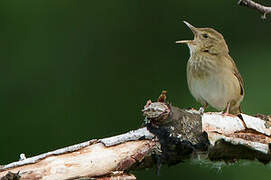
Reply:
x=171, y=135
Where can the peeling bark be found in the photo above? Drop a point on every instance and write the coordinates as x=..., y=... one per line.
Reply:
x=170, y=136
x=89, y=159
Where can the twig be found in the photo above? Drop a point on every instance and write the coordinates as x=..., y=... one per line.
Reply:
x=253, y=5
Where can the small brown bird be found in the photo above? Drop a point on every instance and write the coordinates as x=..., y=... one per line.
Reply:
x=212, y=76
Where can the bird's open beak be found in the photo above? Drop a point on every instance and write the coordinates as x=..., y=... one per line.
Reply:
x=192, y=28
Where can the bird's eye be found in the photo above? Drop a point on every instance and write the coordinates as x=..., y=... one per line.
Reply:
x=205, y=35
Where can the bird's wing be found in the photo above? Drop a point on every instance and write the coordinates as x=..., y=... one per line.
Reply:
x=237, y=75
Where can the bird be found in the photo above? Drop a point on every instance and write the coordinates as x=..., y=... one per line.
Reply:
x=212, y=75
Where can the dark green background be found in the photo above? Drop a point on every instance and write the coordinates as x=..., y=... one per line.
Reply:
x=77, y=70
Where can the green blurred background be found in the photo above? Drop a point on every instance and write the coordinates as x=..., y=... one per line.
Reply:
x=77, y=70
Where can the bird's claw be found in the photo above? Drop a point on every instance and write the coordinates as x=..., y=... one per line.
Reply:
x=228, y=114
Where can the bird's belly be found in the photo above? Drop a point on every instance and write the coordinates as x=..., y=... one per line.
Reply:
x=215, y=90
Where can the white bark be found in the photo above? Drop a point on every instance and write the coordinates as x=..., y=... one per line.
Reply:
x=105, y=157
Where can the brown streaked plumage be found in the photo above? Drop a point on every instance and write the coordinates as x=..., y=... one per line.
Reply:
x=212, y=75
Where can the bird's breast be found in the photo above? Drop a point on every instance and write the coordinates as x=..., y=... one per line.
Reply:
x=200, y=67
x=213, y=83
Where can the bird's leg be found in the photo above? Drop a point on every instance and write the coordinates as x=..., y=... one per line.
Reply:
x=202, y=109
x=226, y=113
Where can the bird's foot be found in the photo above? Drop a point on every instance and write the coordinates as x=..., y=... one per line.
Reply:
x=228, y=114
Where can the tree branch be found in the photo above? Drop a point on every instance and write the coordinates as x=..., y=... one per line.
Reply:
x=253, y=5
x=171, y=135
x=93, y=158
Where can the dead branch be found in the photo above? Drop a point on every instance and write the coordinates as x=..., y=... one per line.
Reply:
x=171, y=135
x=93, y=158
x=253, y=5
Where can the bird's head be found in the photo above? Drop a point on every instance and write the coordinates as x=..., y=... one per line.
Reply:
x=206, y=40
